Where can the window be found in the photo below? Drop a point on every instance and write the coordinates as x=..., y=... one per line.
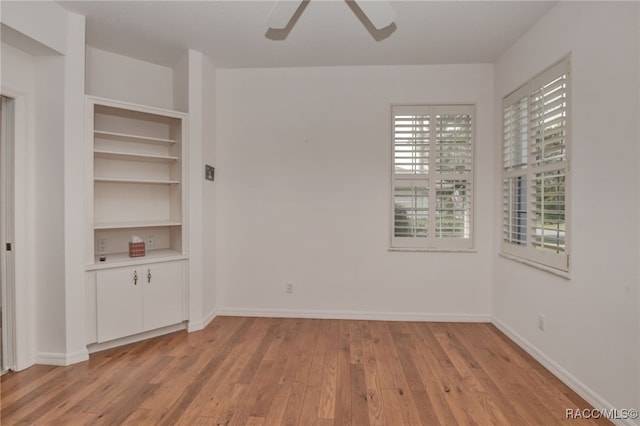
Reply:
x=432, y=177
x=535, y=171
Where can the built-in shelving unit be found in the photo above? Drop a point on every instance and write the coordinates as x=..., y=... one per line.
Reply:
x=137, y=168
x=136, y=163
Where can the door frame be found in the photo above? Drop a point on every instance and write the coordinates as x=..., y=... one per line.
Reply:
x=20, y=320
x=7, y=213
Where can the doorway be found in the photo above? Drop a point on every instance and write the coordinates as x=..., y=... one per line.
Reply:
x=7, y=123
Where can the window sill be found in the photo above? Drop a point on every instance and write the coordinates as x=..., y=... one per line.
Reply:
x=554, y=271
x=432, y=250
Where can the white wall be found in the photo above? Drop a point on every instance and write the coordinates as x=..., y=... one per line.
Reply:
x=49, y=237
x=42, y=21
x=196, y=136
x=180, y=83
x=119, y=77
x=303, y=181
x=209, y=234
x=194, y=92
x=74, y=190
x=592, y=325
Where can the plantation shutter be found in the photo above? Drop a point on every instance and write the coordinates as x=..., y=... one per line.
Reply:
x=432, y=176
x=535, y=169
x=548, y=127
x=515, y=156
x=454, y=157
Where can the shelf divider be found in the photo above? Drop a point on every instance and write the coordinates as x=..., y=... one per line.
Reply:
x=136, y=181
x=129, y=137
x=129, y=156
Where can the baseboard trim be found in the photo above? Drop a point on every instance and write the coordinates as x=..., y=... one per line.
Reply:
x=567, y=378
x=96, y=347
x=61, y=359
x=199, y=325
x=353, y=315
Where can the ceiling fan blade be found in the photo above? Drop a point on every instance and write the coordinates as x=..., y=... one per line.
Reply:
x=379, y=12
x=281, y=13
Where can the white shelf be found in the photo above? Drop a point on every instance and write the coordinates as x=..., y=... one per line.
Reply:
x=122, y=259
x=128, y=225
x=138, y=181
x=131, y=138
x=128, y=156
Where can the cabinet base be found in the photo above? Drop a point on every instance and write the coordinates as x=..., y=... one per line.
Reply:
x=96, y=347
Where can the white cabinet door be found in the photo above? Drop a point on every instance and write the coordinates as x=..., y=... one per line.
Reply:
x=136, y=299
x=163, y=296
x=119, y=303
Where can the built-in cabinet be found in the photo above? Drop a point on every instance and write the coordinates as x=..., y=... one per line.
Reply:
x=140, y=298
x=136, y=160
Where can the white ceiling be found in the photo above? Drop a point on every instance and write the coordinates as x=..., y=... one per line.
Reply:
x=328, y=33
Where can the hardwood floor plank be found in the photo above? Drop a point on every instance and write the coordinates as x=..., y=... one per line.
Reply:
x=355, y=341
x=429, y=369
x=271, y=371
x=216, y=392
x=242, y=415
x=406, y=353
x=16, y=386
x=299, y=370
x=255, y=421
x=229, y=409
x=311, y=406
x=515, y=380
x=472, y=395
x=268, y=391
x=392, y=403
x=372, y=382
x=330, y=373
x=342, y=414
x=258, y=354
x=179, y=410
x=505, y=395
x=323, y=340
x=464, y=362
x=278, y=405
x=359, y=407
x=140, y=416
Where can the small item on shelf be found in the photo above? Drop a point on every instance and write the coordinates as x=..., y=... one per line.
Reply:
x=136, y=247
x=103, y=258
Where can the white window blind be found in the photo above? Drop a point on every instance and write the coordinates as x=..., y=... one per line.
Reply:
x=536, y=169
x=432, y=176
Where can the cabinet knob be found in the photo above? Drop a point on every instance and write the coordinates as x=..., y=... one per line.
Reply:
x=135, y=277
x=148, y=275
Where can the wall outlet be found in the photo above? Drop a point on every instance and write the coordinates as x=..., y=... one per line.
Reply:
x=151, y=240
x=541, y=322
x=289, y=287
x=102, y=245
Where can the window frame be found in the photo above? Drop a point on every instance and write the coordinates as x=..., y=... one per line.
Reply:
x=526, y=251
x=431, y=178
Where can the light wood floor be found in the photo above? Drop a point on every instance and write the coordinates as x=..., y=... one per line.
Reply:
x=263, y=371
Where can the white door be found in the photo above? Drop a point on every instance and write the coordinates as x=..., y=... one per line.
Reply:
x=119, y=302
x=163, y=284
